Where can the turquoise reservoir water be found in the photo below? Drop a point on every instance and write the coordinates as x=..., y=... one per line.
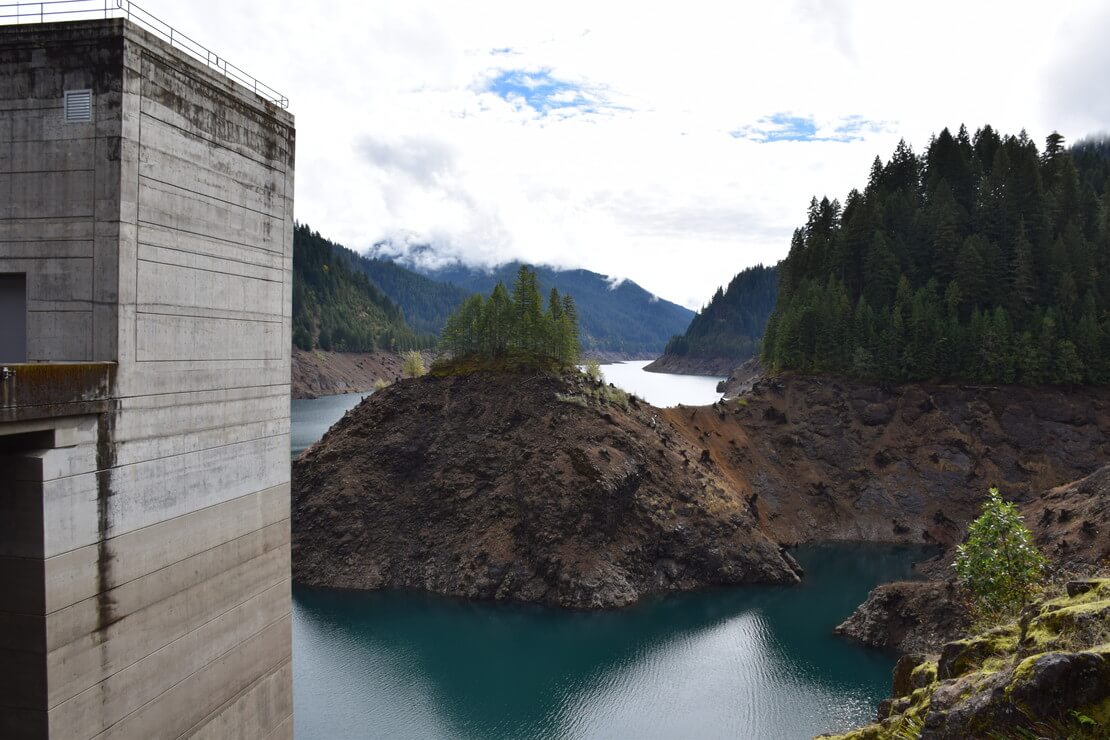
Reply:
x=738, y=663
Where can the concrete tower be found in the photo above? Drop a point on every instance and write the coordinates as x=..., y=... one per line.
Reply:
x=146, y=236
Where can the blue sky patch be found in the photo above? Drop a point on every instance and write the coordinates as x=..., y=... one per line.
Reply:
x=787, y=127
x=541, y=91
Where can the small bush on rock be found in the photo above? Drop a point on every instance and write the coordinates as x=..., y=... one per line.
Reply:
x=413, y=366
x=999, y=563
x=593, y=370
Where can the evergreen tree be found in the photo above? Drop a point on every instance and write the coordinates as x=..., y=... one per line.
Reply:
x=732, y=324
x=514, y=331
x=336, y=307
x=980, y=260
x=881, y=272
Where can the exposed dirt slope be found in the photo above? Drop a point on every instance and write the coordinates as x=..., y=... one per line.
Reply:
x=1071, y=523
x=682, y=365
x=322, y=373
x=491, y=486
x=822, y=459
x=516, y=487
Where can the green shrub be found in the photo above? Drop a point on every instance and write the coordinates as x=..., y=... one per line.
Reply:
x=413, y=365
x=573, y=400
x=999, y=563
x=593, y=370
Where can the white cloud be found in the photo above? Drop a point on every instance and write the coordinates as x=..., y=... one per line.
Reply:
x=1078, y=83
x=612, y=145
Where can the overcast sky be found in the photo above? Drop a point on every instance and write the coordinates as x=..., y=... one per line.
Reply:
x=670, y=143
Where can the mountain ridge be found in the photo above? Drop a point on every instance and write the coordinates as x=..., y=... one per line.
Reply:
x=726, y=331
x=615, y=315
x=336, y=306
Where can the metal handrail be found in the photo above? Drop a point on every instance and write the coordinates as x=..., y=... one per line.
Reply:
x=41, y=12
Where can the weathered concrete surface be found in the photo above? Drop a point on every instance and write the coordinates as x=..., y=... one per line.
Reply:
x=144, y=530
x=49, y=390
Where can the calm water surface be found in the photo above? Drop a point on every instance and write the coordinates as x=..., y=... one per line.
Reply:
x=738, y=663
x=756, y=662
x=662, y=389
x=311, y=417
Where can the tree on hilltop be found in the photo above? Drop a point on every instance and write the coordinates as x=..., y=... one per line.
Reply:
x=514, y=328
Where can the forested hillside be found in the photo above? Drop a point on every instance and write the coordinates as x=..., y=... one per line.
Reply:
x=732, y=324
x=351, y=302
x=336, y=307
x=426, y=303
x=981, y=259
x=625, y=318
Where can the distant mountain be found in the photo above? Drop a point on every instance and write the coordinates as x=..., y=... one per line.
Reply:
x=614, y=317
x=408, y=305
x=337, y=307
x=731, y=325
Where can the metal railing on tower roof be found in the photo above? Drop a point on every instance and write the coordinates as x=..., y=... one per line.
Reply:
x=57, y=10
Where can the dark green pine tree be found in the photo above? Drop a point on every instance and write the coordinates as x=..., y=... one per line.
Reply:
x=981, y=260
x=512, y=331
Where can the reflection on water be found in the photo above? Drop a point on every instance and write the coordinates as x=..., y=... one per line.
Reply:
x=662, y=389
x=742, y=662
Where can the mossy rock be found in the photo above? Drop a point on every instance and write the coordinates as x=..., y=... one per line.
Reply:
x=984, y=687
x=923, y=675
x=903, y=673
x=1052, y=685
x=1072, y=622
x=964, y=656
x=1069, y=626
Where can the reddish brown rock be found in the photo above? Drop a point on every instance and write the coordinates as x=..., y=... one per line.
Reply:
x=526, y=488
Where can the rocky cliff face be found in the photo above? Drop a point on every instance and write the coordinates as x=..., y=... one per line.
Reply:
x=1071, y=525
x=1048, y=676
x=909, y=616
x=741, y=379
x=828, y=459
x=554, y=490
x=528, y=488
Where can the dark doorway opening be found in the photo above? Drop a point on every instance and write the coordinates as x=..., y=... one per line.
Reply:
x=13, y=317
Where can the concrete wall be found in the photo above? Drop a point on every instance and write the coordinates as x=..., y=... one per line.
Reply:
x=59, y=189
x=165, y=550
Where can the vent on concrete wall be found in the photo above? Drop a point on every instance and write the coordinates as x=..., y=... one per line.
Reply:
x=78, y=106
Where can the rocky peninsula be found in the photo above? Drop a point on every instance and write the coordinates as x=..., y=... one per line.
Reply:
x=557, y=490
x=523, y=487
